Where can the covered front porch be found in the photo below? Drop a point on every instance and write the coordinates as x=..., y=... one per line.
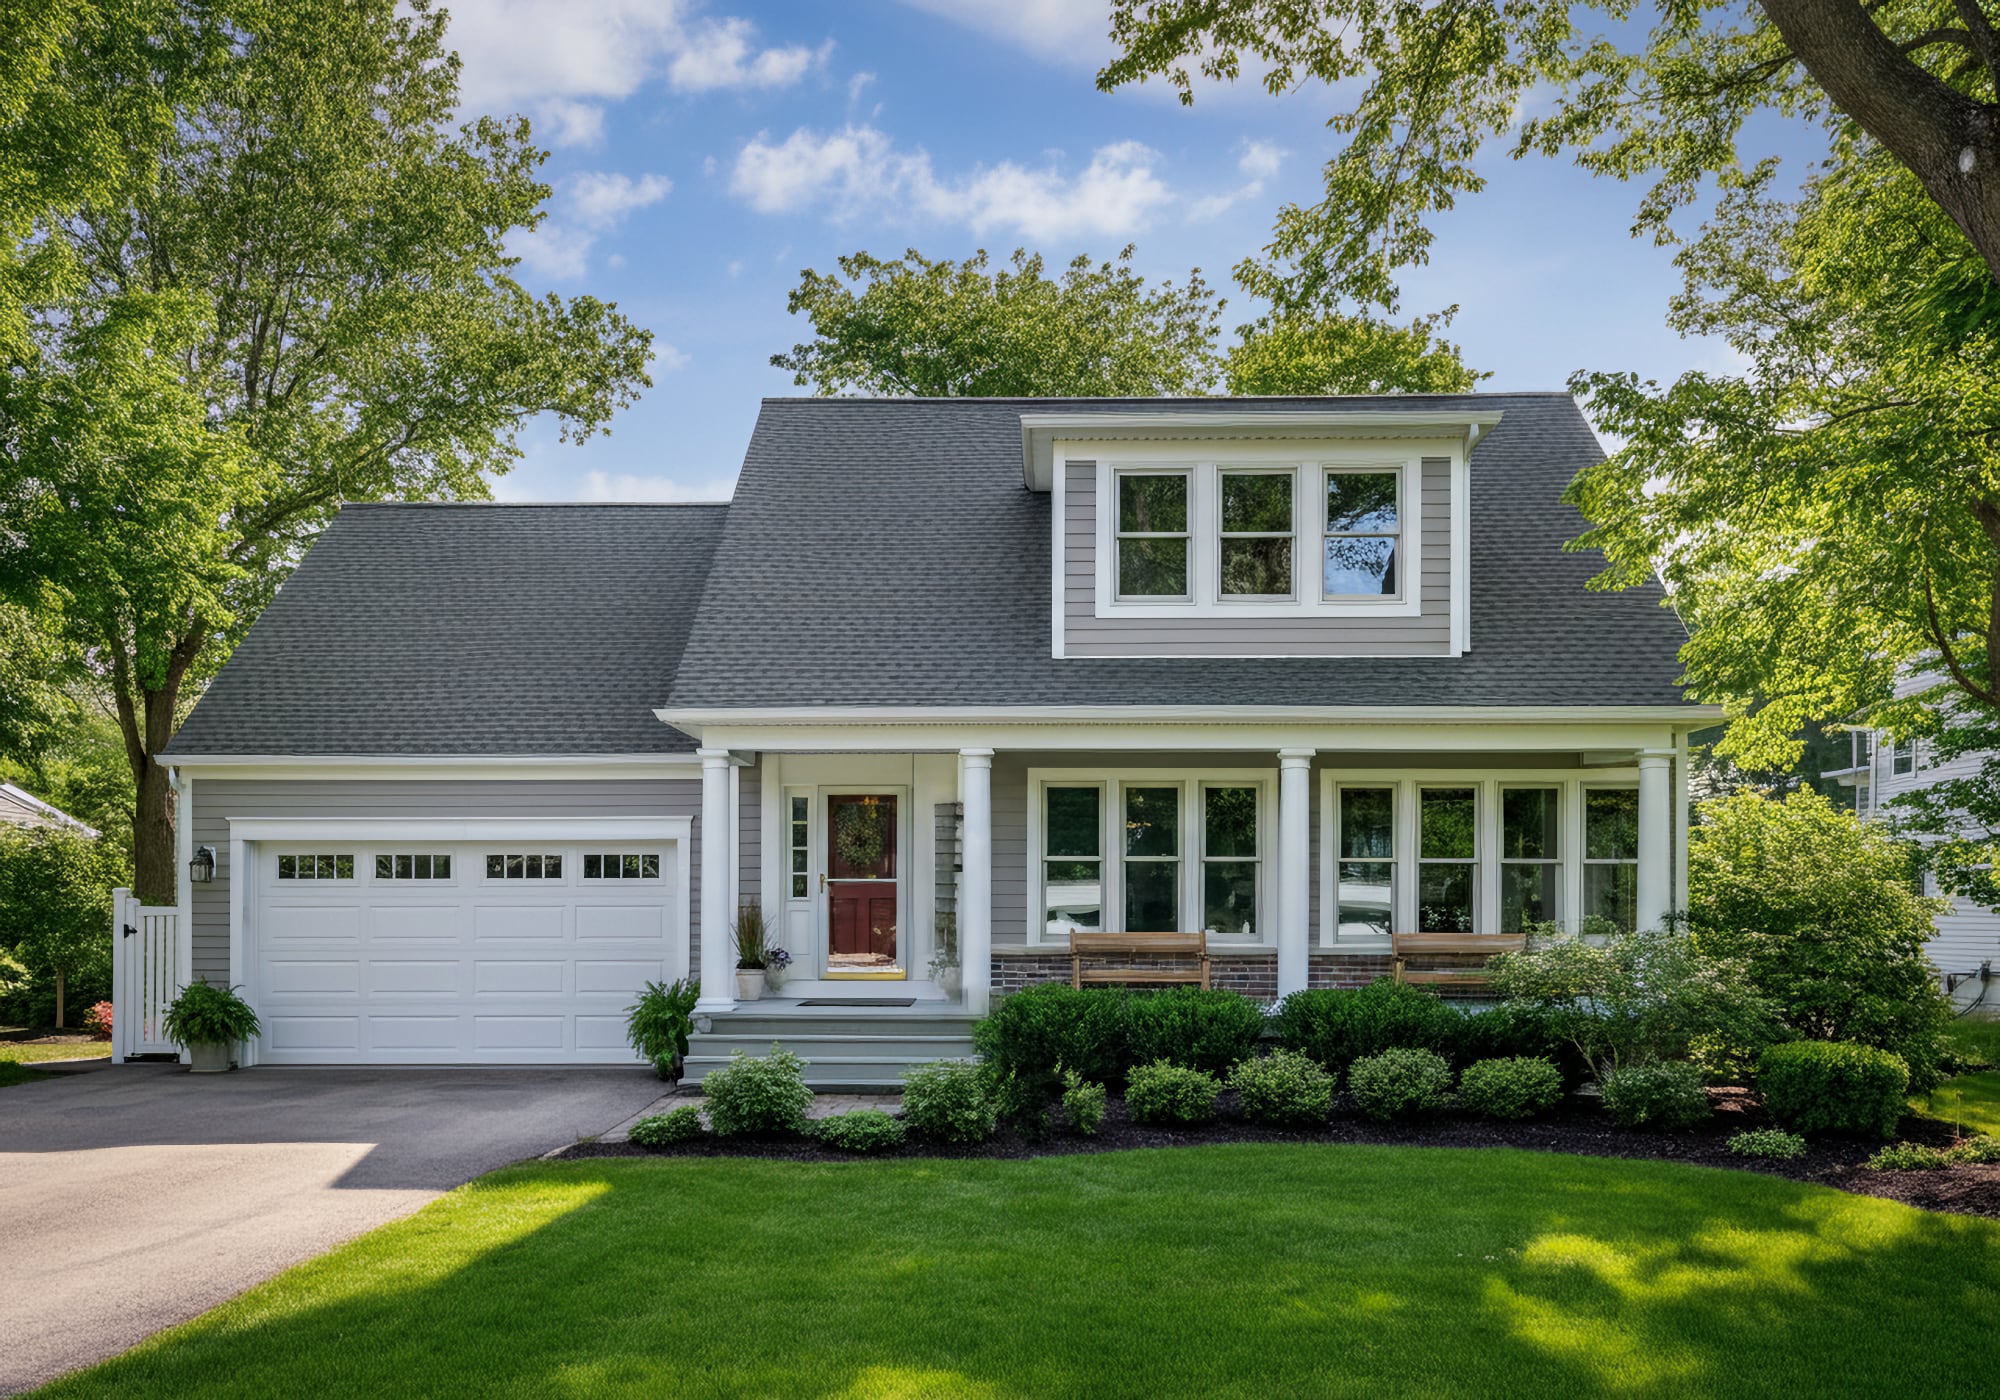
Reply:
x=917, y=870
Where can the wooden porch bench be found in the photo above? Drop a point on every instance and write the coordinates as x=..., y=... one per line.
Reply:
x=1127, y=946
x=1450, y=945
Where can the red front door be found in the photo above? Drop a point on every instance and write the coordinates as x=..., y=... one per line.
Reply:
x=861, y=885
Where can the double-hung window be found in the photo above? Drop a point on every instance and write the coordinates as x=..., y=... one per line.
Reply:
x=1903, y=758
x=1367, y=867
x=1530, y=856
x=1230, y=860
x=1152, y=859
x=1363, y=535
x=1255, y=545
x=1153, y=534
x=1611, y=855
x=1072, y=861
x=1447, y=859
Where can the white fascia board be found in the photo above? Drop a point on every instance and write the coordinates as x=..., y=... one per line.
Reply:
x=1695, y=716
x=418, y=767
x=1040, y=431
x=660, y=828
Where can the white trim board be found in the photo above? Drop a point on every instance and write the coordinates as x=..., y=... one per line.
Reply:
x=417, y=768
x=661, y=828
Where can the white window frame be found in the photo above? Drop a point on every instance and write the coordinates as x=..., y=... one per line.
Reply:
x=1504, y=860
x=414, y=881
x=1487, y=783
x=1321, y=534
x=360, y=860
x=1309, y=461
x=1292, y=474
x=1201, y=791
x=1583, y=857
x=615, y=853
x=1332, y=787
x=1193, y=839
x=567, y=854
x=1902, y=753
x=1185, y=535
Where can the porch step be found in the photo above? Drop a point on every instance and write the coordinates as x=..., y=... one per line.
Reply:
x=844, y=1048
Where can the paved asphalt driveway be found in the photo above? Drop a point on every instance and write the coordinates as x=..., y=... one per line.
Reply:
x=136, y=1196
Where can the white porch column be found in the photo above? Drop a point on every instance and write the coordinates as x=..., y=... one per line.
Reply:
x=975, y=900
x=718, y=953
x=1656, y=874
x=1294, y=853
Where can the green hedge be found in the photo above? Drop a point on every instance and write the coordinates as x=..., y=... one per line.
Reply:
x=1337, y=1027
x=1814, y=1086
x=1103, y=1032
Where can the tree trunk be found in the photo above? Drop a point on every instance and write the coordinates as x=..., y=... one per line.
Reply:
x=155, y=871
x=1949, y=141
x=62, y=991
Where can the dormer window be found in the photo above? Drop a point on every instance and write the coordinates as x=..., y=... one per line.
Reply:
x=1256, y=537
x=1363, y=532
x=1153, y=534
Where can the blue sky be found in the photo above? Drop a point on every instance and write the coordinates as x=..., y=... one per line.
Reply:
x=704, y=154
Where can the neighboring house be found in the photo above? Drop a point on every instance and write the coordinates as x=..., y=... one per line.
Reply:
x=19, y=807
x=1299, y=672
x=1966, y=948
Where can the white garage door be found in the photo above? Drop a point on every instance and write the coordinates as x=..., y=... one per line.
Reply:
x=516, y=951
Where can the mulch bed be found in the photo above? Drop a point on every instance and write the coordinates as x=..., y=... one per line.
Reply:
x=1578, y=1128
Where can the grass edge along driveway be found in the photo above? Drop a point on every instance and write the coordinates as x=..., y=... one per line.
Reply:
x=1246, y=1270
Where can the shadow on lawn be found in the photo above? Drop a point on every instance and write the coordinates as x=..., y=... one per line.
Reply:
x=1244, y=1270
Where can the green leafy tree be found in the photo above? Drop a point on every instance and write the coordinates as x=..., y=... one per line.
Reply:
x=1822, y=913
x=1348, y=355
x=957, y=329
x=1669, y=96
x=307, y=300
x=55, y=917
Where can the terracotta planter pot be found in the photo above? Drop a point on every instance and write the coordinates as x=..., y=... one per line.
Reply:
x=749, y=983
x=211, y=1059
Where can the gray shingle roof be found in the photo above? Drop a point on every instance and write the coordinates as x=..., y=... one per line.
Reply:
x=885, y=552
x=469, y=629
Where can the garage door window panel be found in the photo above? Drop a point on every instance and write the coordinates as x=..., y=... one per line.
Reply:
x=621, y=865
x=525, y=866
x=413, y=865
x=329, y=866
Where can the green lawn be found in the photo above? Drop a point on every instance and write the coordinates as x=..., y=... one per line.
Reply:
x=13, y=1052
x=1970, y=1100
x=1229, y=1270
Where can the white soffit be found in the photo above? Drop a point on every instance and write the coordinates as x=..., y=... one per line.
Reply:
x=1041, y=431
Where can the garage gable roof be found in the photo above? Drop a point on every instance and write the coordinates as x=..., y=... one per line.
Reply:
x=469, y=629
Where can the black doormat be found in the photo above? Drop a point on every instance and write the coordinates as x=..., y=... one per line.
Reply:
x=861, y=1001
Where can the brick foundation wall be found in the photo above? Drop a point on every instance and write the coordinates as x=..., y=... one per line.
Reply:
x=1255, y=975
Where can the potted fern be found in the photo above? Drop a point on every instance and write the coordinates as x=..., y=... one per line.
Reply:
x=210, y=1022
x=659, y=1023
x=752, y=950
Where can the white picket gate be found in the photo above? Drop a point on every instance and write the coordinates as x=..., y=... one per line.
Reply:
x=151, y=960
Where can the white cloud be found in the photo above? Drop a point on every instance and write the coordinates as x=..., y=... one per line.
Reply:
x=561, y=122
x=1069, y=30
x=856, y=84
x=624, y=486
x=670, y=357
x=858, y=169
x=1257, y=162
x=530, y=52
x=588, y=206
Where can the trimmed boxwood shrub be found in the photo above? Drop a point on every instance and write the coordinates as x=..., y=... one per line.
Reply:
x=1209, y=1030
x=1043, y=1030
x=1817, y=1086
x=1917, y=1157
x=949, y=1101
x=767, y=1095
x=1519, y=1086
x=1083, y=1104
x=1514, y=1029
x=1400, y=1083
x=1773, y=1143
x=1283, y=1088
x=1661, y=1094
x=1337, y=1027
x=862, y=1130
x=1168, y=1093
x=678, y=1125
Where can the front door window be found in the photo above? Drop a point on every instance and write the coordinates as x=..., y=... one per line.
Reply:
x=861, y=886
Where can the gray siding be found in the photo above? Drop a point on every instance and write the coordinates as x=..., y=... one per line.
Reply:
x=1086, y=634
x=216, y=800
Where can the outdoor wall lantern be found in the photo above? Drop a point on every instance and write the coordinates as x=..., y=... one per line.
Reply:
x=201, y=869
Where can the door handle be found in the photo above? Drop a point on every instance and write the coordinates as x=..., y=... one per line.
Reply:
x=822, y=882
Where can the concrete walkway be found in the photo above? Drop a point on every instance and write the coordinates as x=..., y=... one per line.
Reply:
x=133, y=1197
